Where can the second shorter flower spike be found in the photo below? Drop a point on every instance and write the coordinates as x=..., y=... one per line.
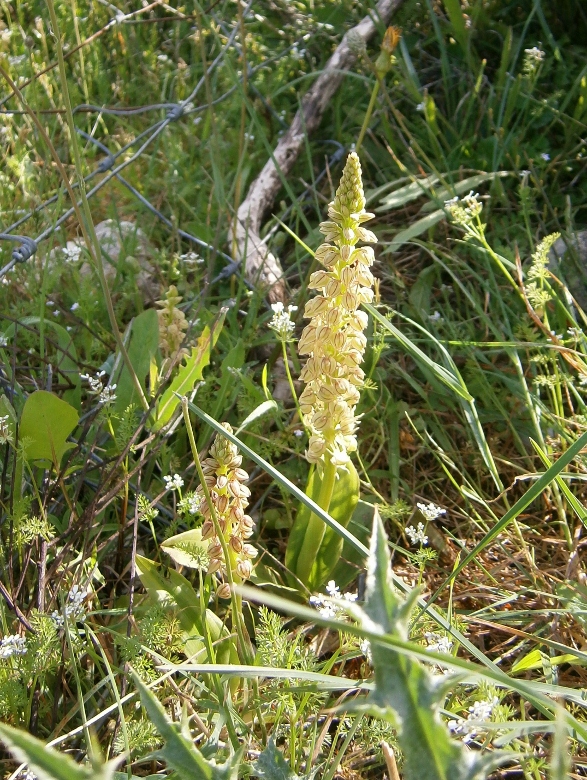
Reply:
x=224, y=478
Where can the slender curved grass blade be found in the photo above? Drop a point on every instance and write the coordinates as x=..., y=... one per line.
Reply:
x=521, y=504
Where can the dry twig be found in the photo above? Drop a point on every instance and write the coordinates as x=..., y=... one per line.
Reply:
x=261, y=266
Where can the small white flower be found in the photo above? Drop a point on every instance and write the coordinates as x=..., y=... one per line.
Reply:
x=281, y=321
x=5, y=433
x=193, y=505
x=417, y=535
x=3, y=340
x=299, y=433
x=421, y=106
x=332, y=606
x=174, y=482
x=12, y=645
x=71, y=253
x=464, y=211
x=479, y=713
x=17, y=60
x=365, y=646
x=438, y=643
x=535, y=54
x=191, y=258
x=436, y=317
x=74, y=306
x=249, y=137
x=430, y=511
x=545, y=156
x=575, y=333
x=107, y=396
x=163, y=58
x=73, y=610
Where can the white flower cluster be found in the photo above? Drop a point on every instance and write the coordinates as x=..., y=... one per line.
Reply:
x=535, y=54
x=106, y=394
x=174, y=482
x=532, y=59
x=465, y=210
x=430, y=511
x=74, y=610
x=5, y=434
x=12, y=645
x=472, y=725
x=327, y=606
x=437, y=643
x=281, y=321
x=191, y=258
x=417, y=535
x=71, y=253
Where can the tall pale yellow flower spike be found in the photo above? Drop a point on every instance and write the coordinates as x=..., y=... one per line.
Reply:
x=334, y=338
x=229, y=496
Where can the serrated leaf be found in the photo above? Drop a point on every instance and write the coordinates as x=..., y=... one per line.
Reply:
x=406, y=694
x=45, y=424
x=48, y=763
x=179, y=752
x=271, y=765
x=188, y=374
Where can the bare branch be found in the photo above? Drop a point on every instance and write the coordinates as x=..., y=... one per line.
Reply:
x=261, y=266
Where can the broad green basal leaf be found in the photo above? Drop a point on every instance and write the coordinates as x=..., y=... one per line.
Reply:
x=45, y=424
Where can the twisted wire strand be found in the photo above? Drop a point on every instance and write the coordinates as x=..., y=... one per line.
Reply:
x=28, y=246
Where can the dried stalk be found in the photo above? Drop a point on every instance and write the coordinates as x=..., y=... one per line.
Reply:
x=261, y=266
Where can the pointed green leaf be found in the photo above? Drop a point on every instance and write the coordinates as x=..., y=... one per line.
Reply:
x=188, y=374
x=413, y=231
x=179, y=752
x=176, y=588
x=259, y=411
x=48, y=763
x=406, y=694
x=187, y=548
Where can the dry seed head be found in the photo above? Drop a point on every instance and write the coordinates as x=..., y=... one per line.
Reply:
x=334, y=338
x=225, y=477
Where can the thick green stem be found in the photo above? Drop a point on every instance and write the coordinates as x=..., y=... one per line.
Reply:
x=316, y=527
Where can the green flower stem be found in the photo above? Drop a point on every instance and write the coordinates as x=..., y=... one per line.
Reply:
x=367, y=118
x=246, y=651
x=290, y=380
x=316, y=527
